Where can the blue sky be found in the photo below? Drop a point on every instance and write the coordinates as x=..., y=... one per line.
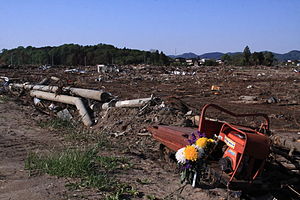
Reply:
x=197, y=26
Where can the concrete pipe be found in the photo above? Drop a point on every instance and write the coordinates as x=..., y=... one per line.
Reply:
x=67, y=100
x=98, y=95
x=127, y=103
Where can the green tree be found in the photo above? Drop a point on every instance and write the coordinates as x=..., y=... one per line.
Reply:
x=226, y=58
x=163, y=59
x=237, y=59
x=156, y=57
x=269, y=58
x=257, y=58
x=73, y=54
x=210, y=63
x=246, y=56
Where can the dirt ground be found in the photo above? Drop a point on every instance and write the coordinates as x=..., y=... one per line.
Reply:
x=19, y=136
x=191, y=89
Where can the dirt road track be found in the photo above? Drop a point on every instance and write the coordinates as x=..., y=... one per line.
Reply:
x=18, y=137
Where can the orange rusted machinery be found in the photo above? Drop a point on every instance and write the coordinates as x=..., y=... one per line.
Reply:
x=240, y=153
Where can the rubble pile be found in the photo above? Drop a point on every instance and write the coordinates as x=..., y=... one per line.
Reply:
x=105, y=110
x=136, y=120
x=124, y=101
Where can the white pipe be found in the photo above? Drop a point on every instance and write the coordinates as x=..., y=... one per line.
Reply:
x=127, y=103
x=98, y=95
x=54, y=78
x=44, y=81
x=65, y=99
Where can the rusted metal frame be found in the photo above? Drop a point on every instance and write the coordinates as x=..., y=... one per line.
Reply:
x=258, y=171
x=242, y=154
x=202, y=116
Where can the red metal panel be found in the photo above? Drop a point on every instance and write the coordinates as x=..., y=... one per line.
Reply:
x=172, y=136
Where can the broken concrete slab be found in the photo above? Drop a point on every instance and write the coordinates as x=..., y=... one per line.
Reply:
x=65, y=115
x=248, y=98
x=272, y=100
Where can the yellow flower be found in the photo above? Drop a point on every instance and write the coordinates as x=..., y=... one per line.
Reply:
x=191, y=153
x=201, y=142
x=210, y=140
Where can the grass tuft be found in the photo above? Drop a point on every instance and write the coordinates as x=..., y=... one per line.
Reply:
x=88, y=169
x=4, y=99
x=124, y=192
x=58, y=124
x=76, y=134
x=92, y=170
x=83, y=136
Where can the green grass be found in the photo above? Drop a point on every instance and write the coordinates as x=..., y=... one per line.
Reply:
x=92, y=170
x=151, y=197
x=76, y=134
x=4, y=99
x=83, y=135
x=58, y=124
x=124, y=192
x=144, y=181
x=89, y=169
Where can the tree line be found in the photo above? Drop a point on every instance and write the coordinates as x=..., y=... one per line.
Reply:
x=247, y=58
x=74, y=54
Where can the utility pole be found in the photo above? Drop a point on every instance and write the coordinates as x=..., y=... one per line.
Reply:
x=52, y=60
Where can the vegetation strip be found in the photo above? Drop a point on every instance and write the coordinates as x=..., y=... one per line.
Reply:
x=92, y=170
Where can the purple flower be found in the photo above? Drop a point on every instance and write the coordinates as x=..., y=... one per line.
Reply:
x=193, y=137
x=187, y=166
x=200, y=134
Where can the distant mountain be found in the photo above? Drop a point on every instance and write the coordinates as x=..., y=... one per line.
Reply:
x=185, y=55
x=233, y=53
x=212, y=55
x=292, y=55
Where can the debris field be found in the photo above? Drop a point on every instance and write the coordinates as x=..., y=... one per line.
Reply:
x=136, y=97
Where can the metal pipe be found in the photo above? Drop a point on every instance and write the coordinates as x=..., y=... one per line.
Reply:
x=98, y=95
x=127, y=103
x=65, y=99
x=44, y=81
x=54, y=78
x=202, y=116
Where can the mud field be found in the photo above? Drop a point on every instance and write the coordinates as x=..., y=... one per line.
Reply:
x=256, y=89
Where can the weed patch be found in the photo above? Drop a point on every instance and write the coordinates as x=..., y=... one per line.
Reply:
x=91, y=170
x=124, y=192
x=83, y=135
x=4, y=99
x=59, y=125
x=77, y=134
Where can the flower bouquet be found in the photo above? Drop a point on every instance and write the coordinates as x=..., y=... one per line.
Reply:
x=192, y=158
